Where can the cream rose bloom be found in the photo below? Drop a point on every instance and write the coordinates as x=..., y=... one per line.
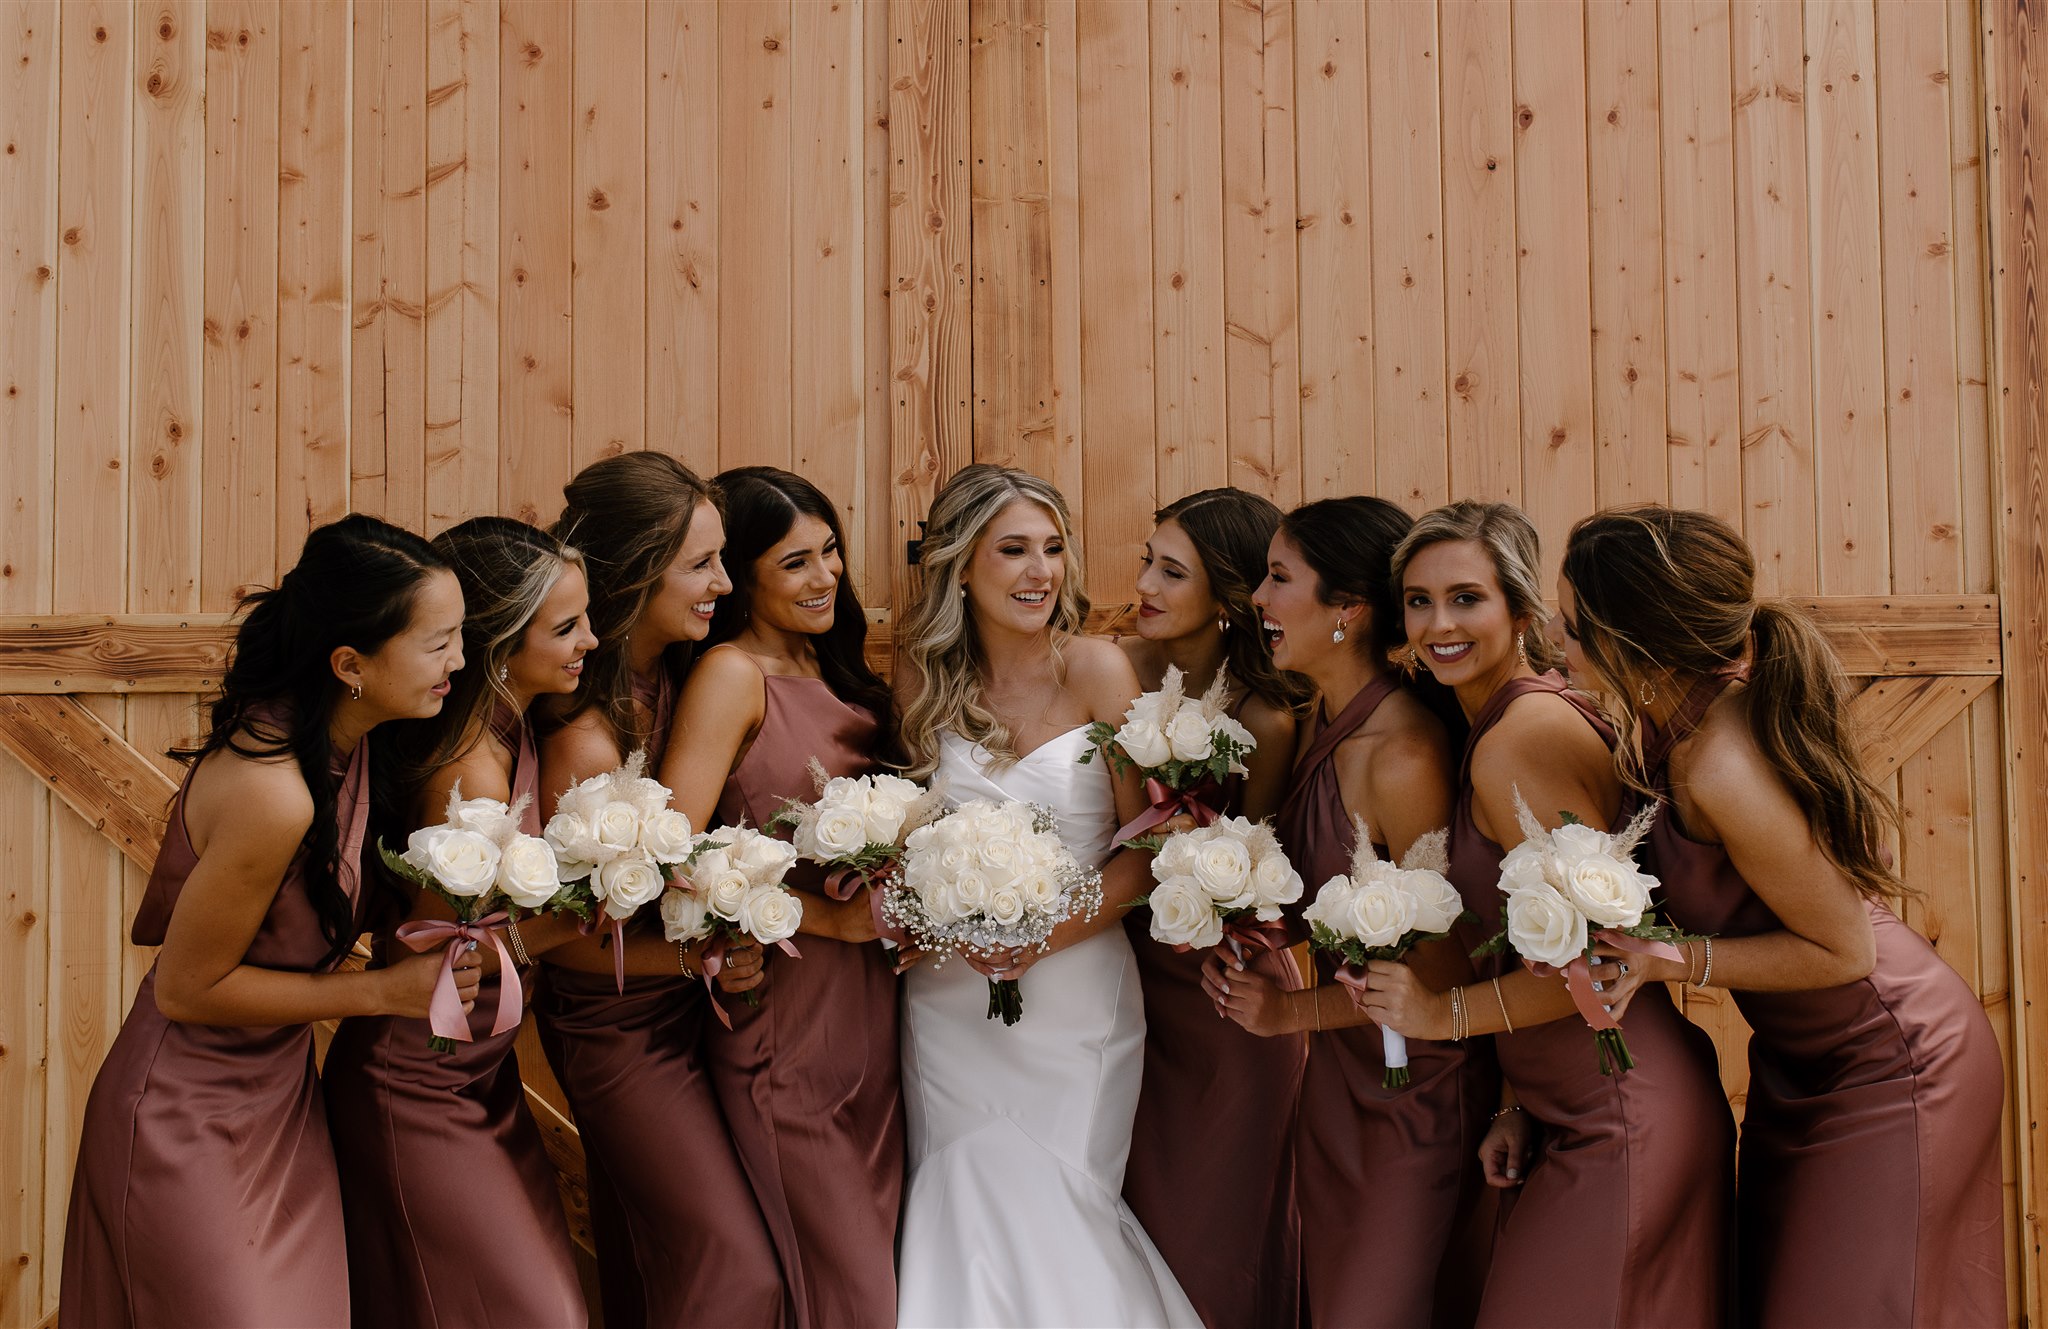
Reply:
x=1184, y=915
x=1437, y=903
x=1610, y=893
x=526, y=871
x=463, y=862
x=835, y=833
x=683, y=916
x=770, y=914
x=1005, y=904
x=1176, y=858
x=627, y=883
x=666, y=836
x=487, y=817
x=1380, y=912
x=617, y=828
x=764, y=857
x=1544, y=927
x=1223, y=868
x=1275, y=882
x=1331, y=905
x=1041, y=890
x=584, y=798
x=1190, y=736
x=1145, y=743
x=722, y=882
x=576, y=848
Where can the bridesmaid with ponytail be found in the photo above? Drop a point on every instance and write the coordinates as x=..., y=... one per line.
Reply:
x=427, y=1141
x=680, y=1240
x=206, y=1190
x=1869, y=1191
x=1234, y=1241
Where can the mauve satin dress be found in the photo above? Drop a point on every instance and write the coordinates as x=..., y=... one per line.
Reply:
x=453, y=1215
x=205, y=1192
x=809, y=1079
x=1388, y=1179
x=1217, y=1093
x=680, y=1241
x=1623, y=1216
x=1868, y=1191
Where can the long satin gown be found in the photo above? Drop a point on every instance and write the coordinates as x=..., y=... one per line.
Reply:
x=1869, y=1186
x=809, y=1078
x=680, y=1241
x=1623, y=1217
x=453, y=1215
x=1018, y=1135
x=1388, y=1178
x=205, y=1192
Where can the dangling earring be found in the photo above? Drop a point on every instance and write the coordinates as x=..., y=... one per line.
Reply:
x=1646, y=693
x=1223, y=623
x=356, y=693
x=1338, y=635
x=963, y=590
x=1522, y=649
x=504, y=672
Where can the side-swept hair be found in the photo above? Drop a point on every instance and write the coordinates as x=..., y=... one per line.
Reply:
x=1507, y=535
x=1231, y=530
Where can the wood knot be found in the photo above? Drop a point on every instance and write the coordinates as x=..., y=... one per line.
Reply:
x=1491, y=164
x=770, y=44
x=99, y=34
x=599, y=201
x=1524, y=117
x=154, y=85
x=165, y=29
x=1177, y=280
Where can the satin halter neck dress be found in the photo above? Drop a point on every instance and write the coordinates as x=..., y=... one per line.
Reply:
x=1623, y=1217
x=206, y=1192
x=680, y=1241
x=1234, y=1241
x=809, y=1079
x=454, y=1218
x=1388, y=1179
x=1869, y=1189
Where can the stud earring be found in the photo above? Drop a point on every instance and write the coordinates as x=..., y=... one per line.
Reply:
x=1645, y=693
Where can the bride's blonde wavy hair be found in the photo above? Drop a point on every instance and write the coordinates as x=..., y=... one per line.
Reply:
x=938, y=640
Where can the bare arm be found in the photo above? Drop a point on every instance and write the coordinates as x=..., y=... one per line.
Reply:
x=718, y=715
x=1271, y=764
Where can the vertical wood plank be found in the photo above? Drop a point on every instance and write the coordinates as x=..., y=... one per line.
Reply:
x=1409, y=384
x=28, y=1272
x=1552, y=273
x=1063, y=106
x=536, y=389
x=1995, y=932
x=609, y=232
x=369, y=37
x=1332, y=136
x=1623, y=140
x=754, y=243
x=682, y=240
x=1773, y=289
x=1970, y=234
x=872, y=571
x=1938, y=849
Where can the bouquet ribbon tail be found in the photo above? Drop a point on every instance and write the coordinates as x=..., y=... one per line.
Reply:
x=843, y=884
x=617, y=927
x=714, y=964
x=1273, y=939
x=1578, y=980
x=1352, y=978
x=444, y=1010
x=1621, y=941
x=1168, y=803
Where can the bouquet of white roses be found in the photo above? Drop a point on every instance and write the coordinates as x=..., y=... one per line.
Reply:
x=1231, y=871
x=616, y=838
x=990, y=876
x=480, y=863
x=1569, y=888
x=730, y=887
x=856, y=828
x=1379, y=911
x=1185, y=748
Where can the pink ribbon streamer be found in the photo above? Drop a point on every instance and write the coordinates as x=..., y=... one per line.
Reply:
x=1578, y=975
x=714, y=964
x=444, y=1011
x=617, y=927
x=1168, y=803
x=845, y=883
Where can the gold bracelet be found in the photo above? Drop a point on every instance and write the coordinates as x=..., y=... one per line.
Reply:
x=1504, y=1017
x=518, y=946
x=1458, y=1021
x=1707, y=973
x=683, y=959
x=1315, y=1001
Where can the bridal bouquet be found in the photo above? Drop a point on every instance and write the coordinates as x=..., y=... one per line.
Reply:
x=1379, y=911
x=730, y=888
x=1230, y=872
x=1184, y=748
x=616, y=839
x=856, y=829
x=478, y=861
x=990, y=876
x=1567, y=889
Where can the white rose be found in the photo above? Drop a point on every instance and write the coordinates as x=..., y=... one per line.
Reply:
x=487, y=817
x=573, y=843
x=647, y=796
x=665, y=835
x=1176, y=858
x=1183, y=915
x=957, y=896
x=838, y=832
x=616, y=828
x=1005, y=904
x=585, y=798
x=1223, y=867
x=1229, y=726
x=1332, y=905
x=1437, y=903
x=1380, y=913
x=1144, y=743
x=526, y=871
x=683, y=916
x=1610, y=893
x=1189, y=736
x=764, y=858
x=1523, y=869
x=463, y=862
x=1574, y=841
x=886, y=814
x=1274, y=880
x=1146, y=709
x=1543, y=926
x=722, y=883
x=627, y=883
x=1039, y=887
x=769, y=914
x=955, y=857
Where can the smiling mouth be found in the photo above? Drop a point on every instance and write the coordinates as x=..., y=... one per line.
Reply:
x=573, y=667
x=1148, y=611
x=704, y=608
x=1032, y=598
x=813, y=606
x=1446, y=653
x=1274, y=632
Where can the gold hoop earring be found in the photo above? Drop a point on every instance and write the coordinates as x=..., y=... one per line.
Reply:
x=1646, y=693
x=356, y=693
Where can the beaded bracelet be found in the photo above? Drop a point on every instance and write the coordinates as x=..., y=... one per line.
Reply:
x=1707, y=970
x=683, y=959
x=518, y=946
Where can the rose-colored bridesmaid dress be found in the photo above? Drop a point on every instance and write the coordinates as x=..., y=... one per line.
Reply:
x=809, y=1078
x=453, y=1215
x=680, y=1241
x=1388, y=1178
x=1869, y=1186
x=1623, y=1217
x=205, y=1192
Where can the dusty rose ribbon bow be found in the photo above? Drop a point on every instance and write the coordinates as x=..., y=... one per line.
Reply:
x=1578, y=975
x=1168, y=803
x=1243, y=935
x=843, y=884
x=444, y=1011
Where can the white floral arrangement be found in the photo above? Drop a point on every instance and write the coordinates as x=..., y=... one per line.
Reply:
x=1568, y=888
x=855, y=830
x=1230, y=871
x=1185, y=748
x=988, y=876
x=1382, y=910
x=731, y=886
x=617, y=840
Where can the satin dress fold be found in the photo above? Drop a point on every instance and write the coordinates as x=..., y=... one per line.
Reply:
x=1869, y=1187
x=453, y=1214
x=1388, y=1179
x=206, y=1191
x=680, y=1240
x=1623, y=1217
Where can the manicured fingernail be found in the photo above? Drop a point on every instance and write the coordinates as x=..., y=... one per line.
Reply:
x=1514, y=1173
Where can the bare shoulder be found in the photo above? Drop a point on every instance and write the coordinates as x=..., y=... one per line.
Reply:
x=1721, y=774
x=1142, y=654
x=247, y=799
x=1100, y=674
x=1270, y=724
x=480, y=772
x=724, y=675
x=1541, y=727
x=583, y=747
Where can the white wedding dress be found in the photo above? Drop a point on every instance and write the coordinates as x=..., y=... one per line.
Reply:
x=1018, y=1136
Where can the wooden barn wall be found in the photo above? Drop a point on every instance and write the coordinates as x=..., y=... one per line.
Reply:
x=265, y=262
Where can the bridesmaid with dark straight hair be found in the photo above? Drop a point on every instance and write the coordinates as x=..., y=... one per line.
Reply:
x=680, y=1239
x=1869, y=1190
x=1372, y=749
x=429, y=1140
x=206, y=1190
x=1621, y=1213
x=809, y=1077
x=1234, y=1241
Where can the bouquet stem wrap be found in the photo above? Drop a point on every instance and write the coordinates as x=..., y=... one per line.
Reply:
x=1578, y=980
x=714, y=965
x=844, y=883
x=1168, y=803
x=444, y=1011
x=1393, y=1043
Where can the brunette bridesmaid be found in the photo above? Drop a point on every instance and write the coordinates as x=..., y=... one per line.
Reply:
x=680, y=1239
x=1869, y=1190
x=1211, y=1089
x=205, y=1191
x=1373, y=750
x=1622, y=1209
x=808, y=1078
x=431, y=1142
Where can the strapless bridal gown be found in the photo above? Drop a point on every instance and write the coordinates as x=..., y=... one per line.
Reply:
x=1018, y=1136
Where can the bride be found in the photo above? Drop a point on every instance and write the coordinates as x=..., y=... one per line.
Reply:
x=1018, y=1136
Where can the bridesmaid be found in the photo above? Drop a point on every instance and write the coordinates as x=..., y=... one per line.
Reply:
x=429, y=1141
x=1869, y=1190
x=1233, y=1242
x=1376, y=751
x=809, y=1077
x=680, y=1239
x=206, y=1190
x=1622, y=1210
